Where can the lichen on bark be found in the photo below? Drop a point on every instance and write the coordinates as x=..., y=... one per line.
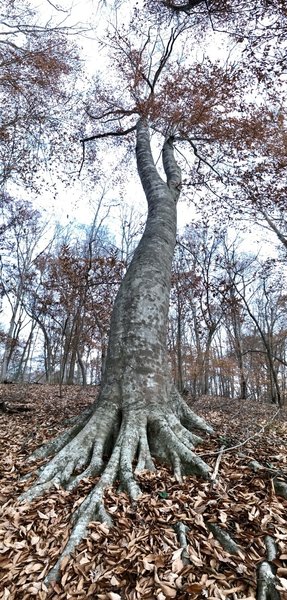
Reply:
x=139, y=415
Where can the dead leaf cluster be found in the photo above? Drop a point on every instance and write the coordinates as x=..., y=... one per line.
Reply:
x=141, y=558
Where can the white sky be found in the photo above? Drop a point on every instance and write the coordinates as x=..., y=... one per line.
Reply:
x=78, y=203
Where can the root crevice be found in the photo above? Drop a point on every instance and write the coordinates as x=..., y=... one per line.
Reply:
x=140, y=437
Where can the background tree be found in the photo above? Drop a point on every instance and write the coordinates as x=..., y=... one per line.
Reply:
x=38, y=66
x=74, y=288
x=20, y=247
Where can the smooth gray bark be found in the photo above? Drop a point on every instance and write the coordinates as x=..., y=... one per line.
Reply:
x=139, y=413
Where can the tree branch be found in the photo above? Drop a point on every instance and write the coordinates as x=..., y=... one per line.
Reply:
x=201, y=159
x=171, y=168
x=283, y=362
x=274, y=227
x=149, y=175
x=183, y=7
x=96, y=136
x=104, y=134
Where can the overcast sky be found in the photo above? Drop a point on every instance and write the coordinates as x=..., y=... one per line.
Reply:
x=78, y=203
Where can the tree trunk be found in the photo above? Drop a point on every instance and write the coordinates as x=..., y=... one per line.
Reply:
x=11, y=337
x=206, y=362
x=237, y=344
x=180, y=378
x=23, y=361
x=82, y=368
x=139, y=412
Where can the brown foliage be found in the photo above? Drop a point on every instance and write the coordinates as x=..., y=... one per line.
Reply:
x=34, y=60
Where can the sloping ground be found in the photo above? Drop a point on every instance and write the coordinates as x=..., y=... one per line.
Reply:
x=141, y=557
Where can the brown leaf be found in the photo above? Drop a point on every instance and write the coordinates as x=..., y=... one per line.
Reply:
x=193, y=588
x=42, y=515
x=33, y=567
x=170, y=592
x=64, y=562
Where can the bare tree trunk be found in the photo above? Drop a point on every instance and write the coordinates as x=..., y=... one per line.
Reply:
x=206, y=361
x=274, y=383
x=139, y=413
x=82, y=368
x=237, y=343
x=180, y=378
x=23, y=361
x=12, y=336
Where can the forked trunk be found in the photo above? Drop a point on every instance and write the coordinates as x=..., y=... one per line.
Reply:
x=139, y=413
x=136, y=365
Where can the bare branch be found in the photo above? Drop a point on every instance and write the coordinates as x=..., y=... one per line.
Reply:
x=96, y=136
x=104, y=134
x=118, y=113
x=274, y=227
x=166, y=55
x=58, y=8
x=183, y=7
x=251, y=351
x=184, y=138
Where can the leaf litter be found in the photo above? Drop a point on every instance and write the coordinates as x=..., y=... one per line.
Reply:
x=140, y=557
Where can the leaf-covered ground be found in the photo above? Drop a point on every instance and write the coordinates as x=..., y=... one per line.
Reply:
x=141, y=556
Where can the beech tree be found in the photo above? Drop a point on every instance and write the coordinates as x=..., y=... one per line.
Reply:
x=139, y=414
x=74, y=285
x=262, y=308
x=20, y=246
x=38, y=65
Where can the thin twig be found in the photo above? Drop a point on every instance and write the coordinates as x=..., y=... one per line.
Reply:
x=83, y=157
x=201, y=158
x=216, y=468
x=251, y=437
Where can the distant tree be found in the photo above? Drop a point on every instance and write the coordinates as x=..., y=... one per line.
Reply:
x=38, y=65
x=259, y=295
x=205, y=248
x=71, y=299
x=20, y=245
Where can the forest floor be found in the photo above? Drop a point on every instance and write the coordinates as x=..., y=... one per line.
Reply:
x=140, y=557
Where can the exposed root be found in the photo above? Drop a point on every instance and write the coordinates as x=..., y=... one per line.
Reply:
x=181, y=530
x=91, y=509
x=173, y=448
x=280, y=487
x=223, y=538
x=102, y=445
x=59, y=442
x=266, y=574
x=187, y=417
x=84, y=448
x=145, y=461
